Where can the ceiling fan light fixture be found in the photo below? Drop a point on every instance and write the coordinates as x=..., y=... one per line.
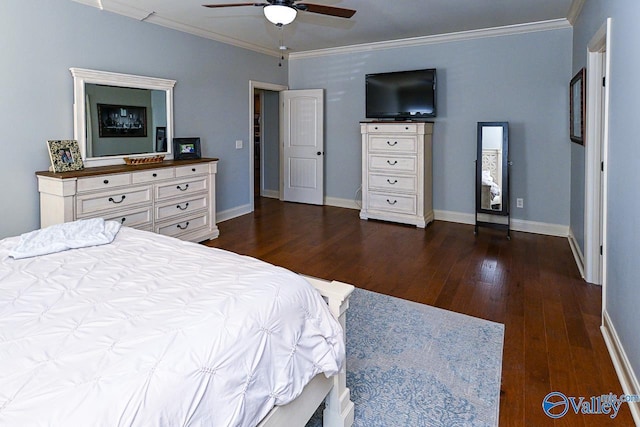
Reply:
x=279, y=15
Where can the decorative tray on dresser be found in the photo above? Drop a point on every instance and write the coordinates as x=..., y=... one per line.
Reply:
x=175, y=197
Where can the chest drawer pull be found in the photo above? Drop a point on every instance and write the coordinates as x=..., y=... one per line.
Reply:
x=123, y=220
x=392, y=203
x=193, y=169
x=155, y=175
x=186, y=205
x=121, y=200
x=185, y=226
x=395, y=162
x=186, y=186
x=391, y=144
x=395, y=181
x=106, y=181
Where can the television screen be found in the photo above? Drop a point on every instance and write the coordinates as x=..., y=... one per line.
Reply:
x=401, y=95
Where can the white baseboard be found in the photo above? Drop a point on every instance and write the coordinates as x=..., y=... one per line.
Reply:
x=341, y=203
x=450, y=216
x=232, y=213
x=627, y=377
x=516, y=224
x=272, y=194
x=577, y=253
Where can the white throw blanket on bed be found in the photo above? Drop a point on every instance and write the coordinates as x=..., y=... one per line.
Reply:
x=69, y=235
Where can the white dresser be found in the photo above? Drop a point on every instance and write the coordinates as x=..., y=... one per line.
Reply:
x=175, y=198
x=397, y=172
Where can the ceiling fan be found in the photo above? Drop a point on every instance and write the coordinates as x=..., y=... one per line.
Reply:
x=283, y=12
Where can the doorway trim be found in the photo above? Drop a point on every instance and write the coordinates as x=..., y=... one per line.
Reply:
x=596, y=148
x=256, y=85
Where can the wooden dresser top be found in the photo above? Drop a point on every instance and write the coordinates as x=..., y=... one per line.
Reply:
x=112, y=169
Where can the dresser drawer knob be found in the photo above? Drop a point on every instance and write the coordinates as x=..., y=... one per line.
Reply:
x=123, y=220
x=392, y=203
x=186, y=225
x=106, y=181
x=186, y=205
x=395, y=181
x=193, y=169
x=186, y=186
x=155, y=175
x=391, y=144
x=395, y=162
x=121, y=200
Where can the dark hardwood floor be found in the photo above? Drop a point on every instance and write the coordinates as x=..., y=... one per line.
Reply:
x=530, y=284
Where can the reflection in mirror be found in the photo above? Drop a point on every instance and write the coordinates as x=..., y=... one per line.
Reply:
x=124, y=121
x=121, y=115
x=491, y=197
x=492, y=175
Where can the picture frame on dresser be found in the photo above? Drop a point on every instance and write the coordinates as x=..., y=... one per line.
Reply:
x=65, y=155
x=186, y=148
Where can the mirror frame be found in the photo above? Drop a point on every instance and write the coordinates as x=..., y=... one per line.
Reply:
x=504, y=211
x=82, y=76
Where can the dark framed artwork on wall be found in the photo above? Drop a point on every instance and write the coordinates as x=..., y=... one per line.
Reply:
x=577, y=94
x=117, y=121
x=186, y=148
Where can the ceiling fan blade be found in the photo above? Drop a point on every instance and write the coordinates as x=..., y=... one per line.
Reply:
x=340, y=12
x=234, y=4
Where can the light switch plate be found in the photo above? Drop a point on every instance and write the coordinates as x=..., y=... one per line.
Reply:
x=238, y=144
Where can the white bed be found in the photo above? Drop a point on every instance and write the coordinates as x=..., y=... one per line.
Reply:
x=153, y=331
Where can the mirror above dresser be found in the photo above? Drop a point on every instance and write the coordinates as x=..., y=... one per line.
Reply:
x=121, y=115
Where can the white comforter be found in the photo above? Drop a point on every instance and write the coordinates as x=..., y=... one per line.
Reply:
x=151, y=331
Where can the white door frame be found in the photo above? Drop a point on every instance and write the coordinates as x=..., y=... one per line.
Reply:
x=253, y=85
x=596, y=151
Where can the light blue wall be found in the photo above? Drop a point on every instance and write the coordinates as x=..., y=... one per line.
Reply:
x=43, y=39
x=521, y=79
x=623, y=204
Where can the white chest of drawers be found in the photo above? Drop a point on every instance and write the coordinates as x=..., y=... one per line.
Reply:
x=397, y=172
x=175, y=198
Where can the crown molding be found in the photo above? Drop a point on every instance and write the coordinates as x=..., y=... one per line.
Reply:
x=574, y=11
x=150, y=16
x=554, y=24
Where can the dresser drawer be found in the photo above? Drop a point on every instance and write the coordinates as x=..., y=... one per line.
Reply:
x=133, y=218
x=392, y=128
x=408, y=164
x=393, y=143
x=152, y=175
x=181, y=187
x=393, y=183
x=393, y=203
x=191, y=170
x=183, y=225
x=89, y=204
x=181, y=207
x=103, y=182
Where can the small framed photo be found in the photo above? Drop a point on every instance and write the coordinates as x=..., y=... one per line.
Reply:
x=186, y=148
x=161, y=139
x=65, y=155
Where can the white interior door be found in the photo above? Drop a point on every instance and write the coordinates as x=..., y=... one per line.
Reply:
x=303, y=146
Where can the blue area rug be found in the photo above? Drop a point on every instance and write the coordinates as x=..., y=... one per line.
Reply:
x=410, y=364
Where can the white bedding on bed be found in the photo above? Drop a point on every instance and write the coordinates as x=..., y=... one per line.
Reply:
x=153, y=331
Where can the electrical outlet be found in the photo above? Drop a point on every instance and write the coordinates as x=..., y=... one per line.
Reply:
x=238, y=144
x=519, y=203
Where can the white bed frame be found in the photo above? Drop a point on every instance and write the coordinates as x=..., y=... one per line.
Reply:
x=339, y=409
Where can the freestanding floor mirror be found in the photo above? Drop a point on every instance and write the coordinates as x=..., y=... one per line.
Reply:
x=492, y=176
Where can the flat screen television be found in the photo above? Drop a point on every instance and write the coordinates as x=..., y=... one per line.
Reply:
x=401, y=95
